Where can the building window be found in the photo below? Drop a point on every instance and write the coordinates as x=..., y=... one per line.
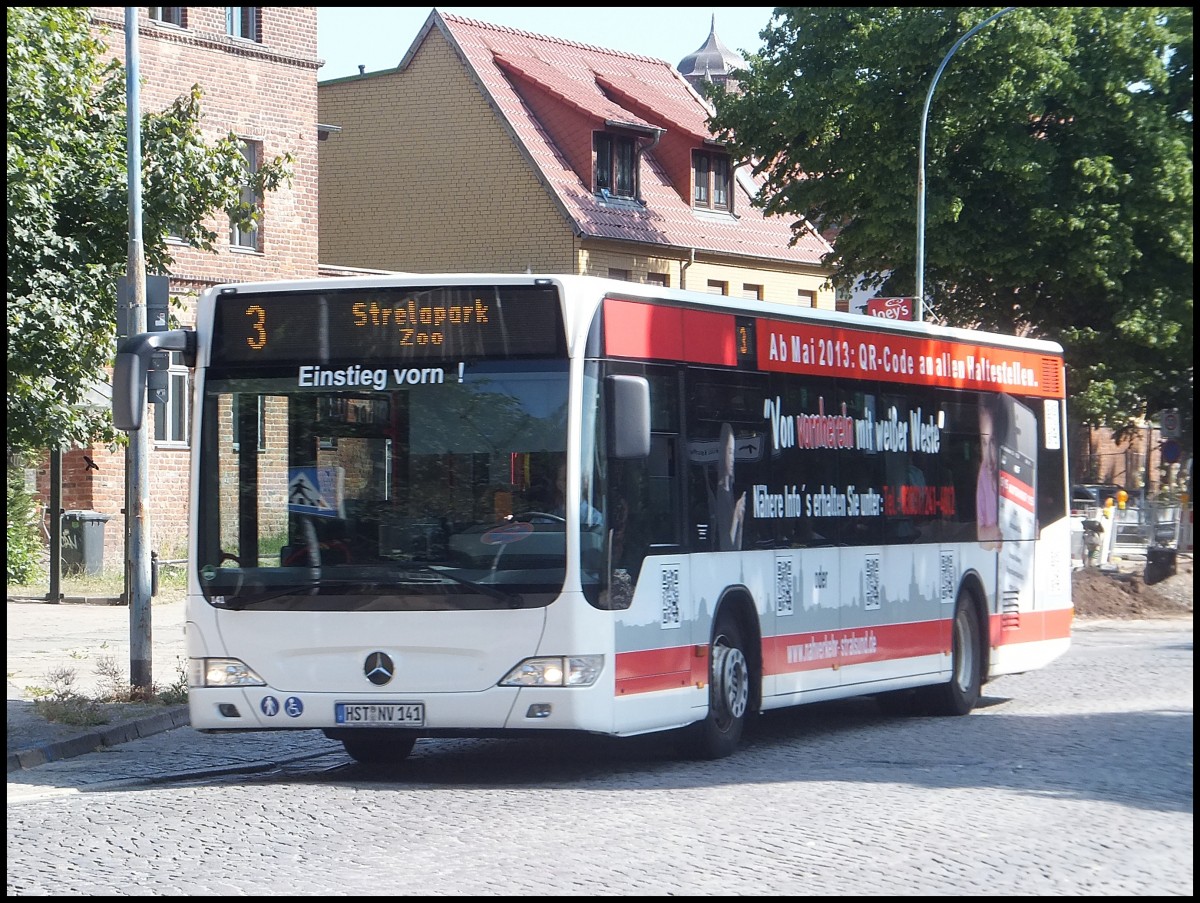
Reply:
x=716, y=287
x=710, y=180
x=614, y=273
x=172, y=15
x=753, y=292
x=663, y=279
x=616, y=165
x=247, y=236
x=172, y=420
x=806, y=298
x=242, y=22
x=260, y=420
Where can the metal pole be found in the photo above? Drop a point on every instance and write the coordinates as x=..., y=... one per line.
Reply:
x=137, y=482
x=55, y=513
x=919, y=306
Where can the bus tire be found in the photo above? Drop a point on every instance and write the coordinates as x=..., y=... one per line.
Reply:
x=719, y=734
x=959, y=695
x=378, y=746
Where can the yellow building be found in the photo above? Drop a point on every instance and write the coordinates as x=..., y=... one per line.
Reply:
x=494, y=149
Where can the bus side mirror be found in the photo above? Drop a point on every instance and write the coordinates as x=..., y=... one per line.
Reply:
x=131, y=366
x=628, y=416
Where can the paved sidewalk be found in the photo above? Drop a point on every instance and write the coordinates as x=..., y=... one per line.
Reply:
x=81, y=646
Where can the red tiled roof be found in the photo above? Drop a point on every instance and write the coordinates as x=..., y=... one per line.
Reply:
x=639, y=91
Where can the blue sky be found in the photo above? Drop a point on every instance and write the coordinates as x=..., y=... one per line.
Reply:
x=378, y=37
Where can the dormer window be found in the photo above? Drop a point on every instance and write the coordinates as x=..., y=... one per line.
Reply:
x=711, y=188
x=616, y=165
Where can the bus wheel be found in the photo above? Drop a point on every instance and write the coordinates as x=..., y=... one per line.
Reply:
x=378, y=747
x=961, y=693
x=720, y=732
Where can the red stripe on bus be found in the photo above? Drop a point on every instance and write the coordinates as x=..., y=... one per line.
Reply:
x=633, y=329
x=890, y=357
x=1030, y=626
x=671, y=668
x=826, y=648
x=657, y=332
x=657, y=669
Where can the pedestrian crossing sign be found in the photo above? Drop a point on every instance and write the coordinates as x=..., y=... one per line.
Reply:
x=315, y=491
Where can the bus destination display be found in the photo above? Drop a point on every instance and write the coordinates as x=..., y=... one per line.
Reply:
x=388, y=324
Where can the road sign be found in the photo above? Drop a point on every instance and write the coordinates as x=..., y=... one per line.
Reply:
x=1171, y=452
x=316, y=491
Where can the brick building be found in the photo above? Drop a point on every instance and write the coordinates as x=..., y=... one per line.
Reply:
x=257, y=68
x=1135, y=462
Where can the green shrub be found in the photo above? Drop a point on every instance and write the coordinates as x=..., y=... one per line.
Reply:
x=24, y=538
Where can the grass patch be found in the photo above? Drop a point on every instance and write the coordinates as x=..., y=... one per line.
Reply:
x=110, y=583
x=63, y=702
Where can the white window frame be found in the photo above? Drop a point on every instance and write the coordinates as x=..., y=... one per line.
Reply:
x=248, y=238
x=261, y=420
x=242, y=22
x=173, y=418
x=168, y=15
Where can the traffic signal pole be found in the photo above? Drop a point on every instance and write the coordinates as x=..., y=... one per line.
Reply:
x=137, y=480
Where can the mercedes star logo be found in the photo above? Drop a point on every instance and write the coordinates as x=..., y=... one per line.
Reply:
x=379, y=668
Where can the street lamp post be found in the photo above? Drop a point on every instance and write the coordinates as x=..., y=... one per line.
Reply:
x=919, y=304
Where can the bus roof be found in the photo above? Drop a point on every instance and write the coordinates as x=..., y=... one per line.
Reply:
x=599, y=287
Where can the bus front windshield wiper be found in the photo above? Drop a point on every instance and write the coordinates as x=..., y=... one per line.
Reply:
x=241, y=595
x=242, y=599
x=513, y=600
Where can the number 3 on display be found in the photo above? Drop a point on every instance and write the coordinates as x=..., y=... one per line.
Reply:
x=258, y=341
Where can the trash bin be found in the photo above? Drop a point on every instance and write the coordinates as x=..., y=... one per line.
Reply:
x=83, y=541
x=1160, y=564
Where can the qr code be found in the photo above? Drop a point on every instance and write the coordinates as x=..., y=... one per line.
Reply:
x=670, y=596
x=783, y=586
x=947, y=577
x=871, y=599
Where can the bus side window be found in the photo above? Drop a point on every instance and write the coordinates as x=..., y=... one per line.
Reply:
x=643, y=499
x=663, y=494
x=627, y=506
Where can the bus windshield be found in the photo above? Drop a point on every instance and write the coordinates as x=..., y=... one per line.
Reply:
x=385, y=484
x=426, y=491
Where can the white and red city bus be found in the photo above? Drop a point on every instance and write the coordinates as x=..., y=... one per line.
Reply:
x=482, y=505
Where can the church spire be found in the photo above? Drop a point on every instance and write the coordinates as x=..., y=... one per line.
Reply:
x=712, y=62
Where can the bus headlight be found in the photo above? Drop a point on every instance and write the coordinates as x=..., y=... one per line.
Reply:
x=222, y=672
x=555, y=671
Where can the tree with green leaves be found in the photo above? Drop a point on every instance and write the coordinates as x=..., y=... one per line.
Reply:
x=68, y=221
x=1058, y=176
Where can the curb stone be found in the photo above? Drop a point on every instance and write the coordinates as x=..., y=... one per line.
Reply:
x=111, y=735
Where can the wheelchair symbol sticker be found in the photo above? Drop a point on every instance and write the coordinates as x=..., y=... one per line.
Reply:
x=293, y=706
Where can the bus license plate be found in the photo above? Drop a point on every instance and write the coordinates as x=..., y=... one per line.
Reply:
x=400, y=714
